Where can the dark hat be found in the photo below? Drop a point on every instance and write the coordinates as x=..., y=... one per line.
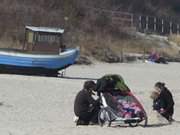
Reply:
x=89, y=85
x=160, y=85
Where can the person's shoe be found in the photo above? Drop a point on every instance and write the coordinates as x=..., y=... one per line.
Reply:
x=81, y=122
x=171, y=120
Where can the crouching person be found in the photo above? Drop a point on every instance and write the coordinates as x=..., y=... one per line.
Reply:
x=163, y=101
x=86, y=108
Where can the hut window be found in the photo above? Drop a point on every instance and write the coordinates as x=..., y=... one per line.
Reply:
x=48, y=38
x=52, y=38
x=42, y=38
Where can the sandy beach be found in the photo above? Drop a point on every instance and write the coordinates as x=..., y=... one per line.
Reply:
x=34, y=105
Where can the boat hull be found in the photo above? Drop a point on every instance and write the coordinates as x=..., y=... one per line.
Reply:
x=9, y=69
x=15, y=62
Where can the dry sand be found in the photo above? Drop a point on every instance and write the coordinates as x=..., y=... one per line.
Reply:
x=32, y=105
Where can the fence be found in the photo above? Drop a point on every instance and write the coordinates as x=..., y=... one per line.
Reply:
x=118, y=19
x=142, y=23
x=162, y=26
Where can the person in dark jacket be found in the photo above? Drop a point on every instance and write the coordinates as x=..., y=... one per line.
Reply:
x=164, y=104
x=85, y=106
x=157, y=102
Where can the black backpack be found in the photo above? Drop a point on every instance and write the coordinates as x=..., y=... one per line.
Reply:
x=111, y=82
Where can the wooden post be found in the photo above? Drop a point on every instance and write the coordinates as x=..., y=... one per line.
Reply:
x=25, y=38
x=35, y=35
x=60, y=43
x=155, y=20
x=162, y=22
x=62, y=46
x=147, y=21
x=170, y=28
x=140, y=26
x=177, y=29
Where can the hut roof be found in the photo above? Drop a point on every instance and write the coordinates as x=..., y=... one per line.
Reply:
x=45, y=29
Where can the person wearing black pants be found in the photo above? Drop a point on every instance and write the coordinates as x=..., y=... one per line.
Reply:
x=85, y=106
x=164, y=101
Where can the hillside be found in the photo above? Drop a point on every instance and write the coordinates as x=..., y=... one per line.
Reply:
x=89, y=32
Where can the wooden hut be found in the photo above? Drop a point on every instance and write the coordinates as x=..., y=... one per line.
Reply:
x=43, y=39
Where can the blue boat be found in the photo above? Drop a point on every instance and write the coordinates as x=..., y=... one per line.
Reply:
x=43, y=53
x=12, y=61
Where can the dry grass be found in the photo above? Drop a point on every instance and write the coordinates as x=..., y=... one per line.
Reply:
x=32, y=13
x=9, y=43
x=131, y=45
x=175, y=39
